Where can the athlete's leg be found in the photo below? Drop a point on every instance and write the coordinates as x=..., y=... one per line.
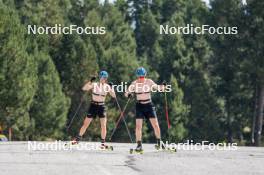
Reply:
x=155, y=124
x=139, y=123
x=85, y=125
x=103, y=127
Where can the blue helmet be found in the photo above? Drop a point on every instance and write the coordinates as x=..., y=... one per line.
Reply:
x=141, y=72
x=103, y=74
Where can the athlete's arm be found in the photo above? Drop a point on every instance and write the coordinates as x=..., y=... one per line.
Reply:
x=112, y=91
x=88, y=86
x=130, y=90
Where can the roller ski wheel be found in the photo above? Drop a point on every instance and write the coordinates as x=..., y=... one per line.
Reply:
x=136, y=151
x=106, y=147
x=157, y=147
x=72, y=142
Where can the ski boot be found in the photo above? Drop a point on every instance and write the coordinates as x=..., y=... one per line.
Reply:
x=138, y=149
x=159, y=146
x=76, y=140
x=105, y=147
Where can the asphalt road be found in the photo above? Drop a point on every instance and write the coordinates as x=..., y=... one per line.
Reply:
x=19, y=158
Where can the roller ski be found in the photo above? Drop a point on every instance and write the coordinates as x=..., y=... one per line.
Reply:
x=138, y=150
x=161, y=147
x=74, y=141
x=106, y=147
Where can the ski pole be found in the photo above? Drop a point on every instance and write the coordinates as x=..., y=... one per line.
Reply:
x=121, y=116
x=76, y=112
x=130, y=137
x=166, y=109
x=80, y=104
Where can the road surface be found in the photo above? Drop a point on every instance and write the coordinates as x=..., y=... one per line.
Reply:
x=18, y=158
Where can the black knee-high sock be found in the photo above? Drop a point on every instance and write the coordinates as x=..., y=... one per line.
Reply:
x=78, y=137
x=102, y=141
x=158, y=141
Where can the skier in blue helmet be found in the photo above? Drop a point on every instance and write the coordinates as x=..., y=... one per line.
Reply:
x=97, y=107
x=142, y=88
x=103, y=74
x=141, y=72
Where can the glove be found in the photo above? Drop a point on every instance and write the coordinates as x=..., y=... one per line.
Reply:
x=129, y=95
x=110, y=84
x=92, y=79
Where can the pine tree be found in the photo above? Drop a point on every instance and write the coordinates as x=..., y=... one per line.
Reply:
x=49, y=110
x=17, y=76
x=227, y=65
x=178, y=113
x=44, y=13
x=254, y=63
x=76, y=64
x=205, y=108
x=117, y=48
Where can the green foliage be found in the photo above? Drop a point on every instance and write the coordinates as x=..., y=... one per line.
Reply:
x=17, y=74
x=50, y=105
x=217, y=80
x=253, y=63
x=178, y=113
x=230, y=86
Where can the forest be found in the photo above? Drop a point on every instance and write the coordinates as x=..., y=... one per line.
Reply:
x=217, y=80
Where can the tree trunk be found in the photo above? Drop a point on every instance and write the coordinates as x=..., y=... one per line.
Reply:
x=229, y=123
x=253, y=128
x=259, y=118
